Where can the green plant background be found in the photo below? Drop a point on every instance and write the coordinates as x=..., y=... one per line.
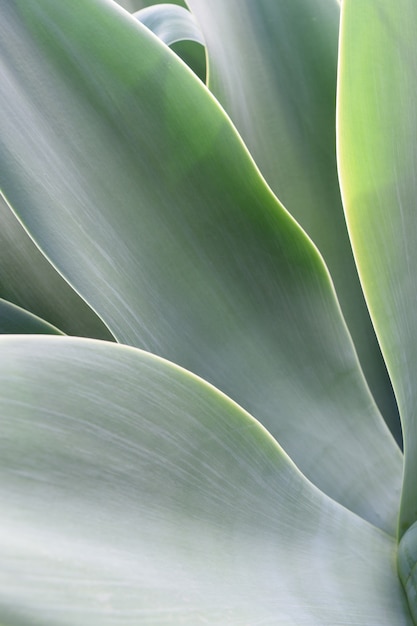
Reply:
x=212, y=440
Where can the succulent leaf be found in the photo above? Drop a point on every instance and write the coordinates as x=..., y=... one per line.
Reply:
x=189, y=256
x=134, y=492
x=272, y=64
x=379, y=186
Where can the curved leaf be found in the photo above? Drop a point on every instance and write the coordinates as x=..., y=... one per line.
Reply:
x=176, y=27
x=272, y=65
x=171, y=23
x=407, y=570
x=377, y=123
x=138, y=187
x=28, y=280
x=133, y=492
x=14, y=320
x=136, y=5
x=194, y=55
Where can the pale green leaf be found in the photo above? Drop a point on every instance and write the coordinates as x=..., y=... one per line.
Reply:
x=176, y=27
x=377, y=120
x=136, y=5
x=407, y=566
x=272, y=65
x=15, y=320
x=171, y=23
x=133, y=181
x=134, y=493
x=194, y=55
x=28, y=280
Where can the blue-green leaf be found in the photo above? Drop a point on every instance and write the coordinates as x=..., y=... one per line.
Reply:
x=377, y=121
x=272, y=65
x=28, y=280
x=132, y=179
x=15, y=320
x=134, y=493
x=171, y=23
x=176, y=27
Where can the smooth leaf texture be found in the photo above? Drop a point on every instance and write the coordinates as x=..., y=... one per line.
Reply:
x=138, y=188
x=15, y=320
x=407, y=570
x=28, y=280
x=136, y=5
x=171, y=23
x=133, y=492
x=272, y=65
x=194, y=55
x=378, y=166
x=176, y=26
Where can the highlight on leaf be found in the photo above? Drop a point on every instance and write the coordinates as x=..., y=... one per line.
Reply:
x=207, y=313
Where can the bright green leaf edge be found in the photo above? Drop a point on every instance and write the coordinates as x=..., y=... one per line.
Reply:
x=171, y=23
x=132, y=491
x=217, y=278
x=272, y=65
x=15, y=320
x=377, y=164
x=29, y=280
x=177, y=28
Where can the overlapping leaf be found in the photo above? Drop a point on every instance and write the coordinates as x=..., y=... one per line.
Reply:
x=133, y=181
x=272, y=65
x=15, y=320
x=133, y=492
x=176, y=26
x=28, y=280
x=378, y=169
x=136, y=5
x=171, y=23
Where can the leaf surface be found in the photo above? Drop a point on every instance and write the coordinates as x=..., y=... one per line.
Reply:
x=15, y=320
x=272, y=65
x=176, y=26
x=377, y=123
x=136, y=5
x=171, y=23
x=28, y=280
x=138, y=187
x=133, y=492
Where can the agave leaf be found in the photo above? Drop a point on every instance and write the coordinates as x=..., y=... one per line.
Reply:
x=377, y=156
x=272, y=65
x=194, y=55
x=15, y=320
x=171, y=23
x=176, y=26
x=131, y=5
x=185, y=254
x=407, y=571
x=133, y=492
x=136, y=5
x=28, y=280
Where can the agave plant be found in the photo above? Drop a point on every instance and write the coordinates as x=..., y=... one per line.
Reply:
x=198, y=426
